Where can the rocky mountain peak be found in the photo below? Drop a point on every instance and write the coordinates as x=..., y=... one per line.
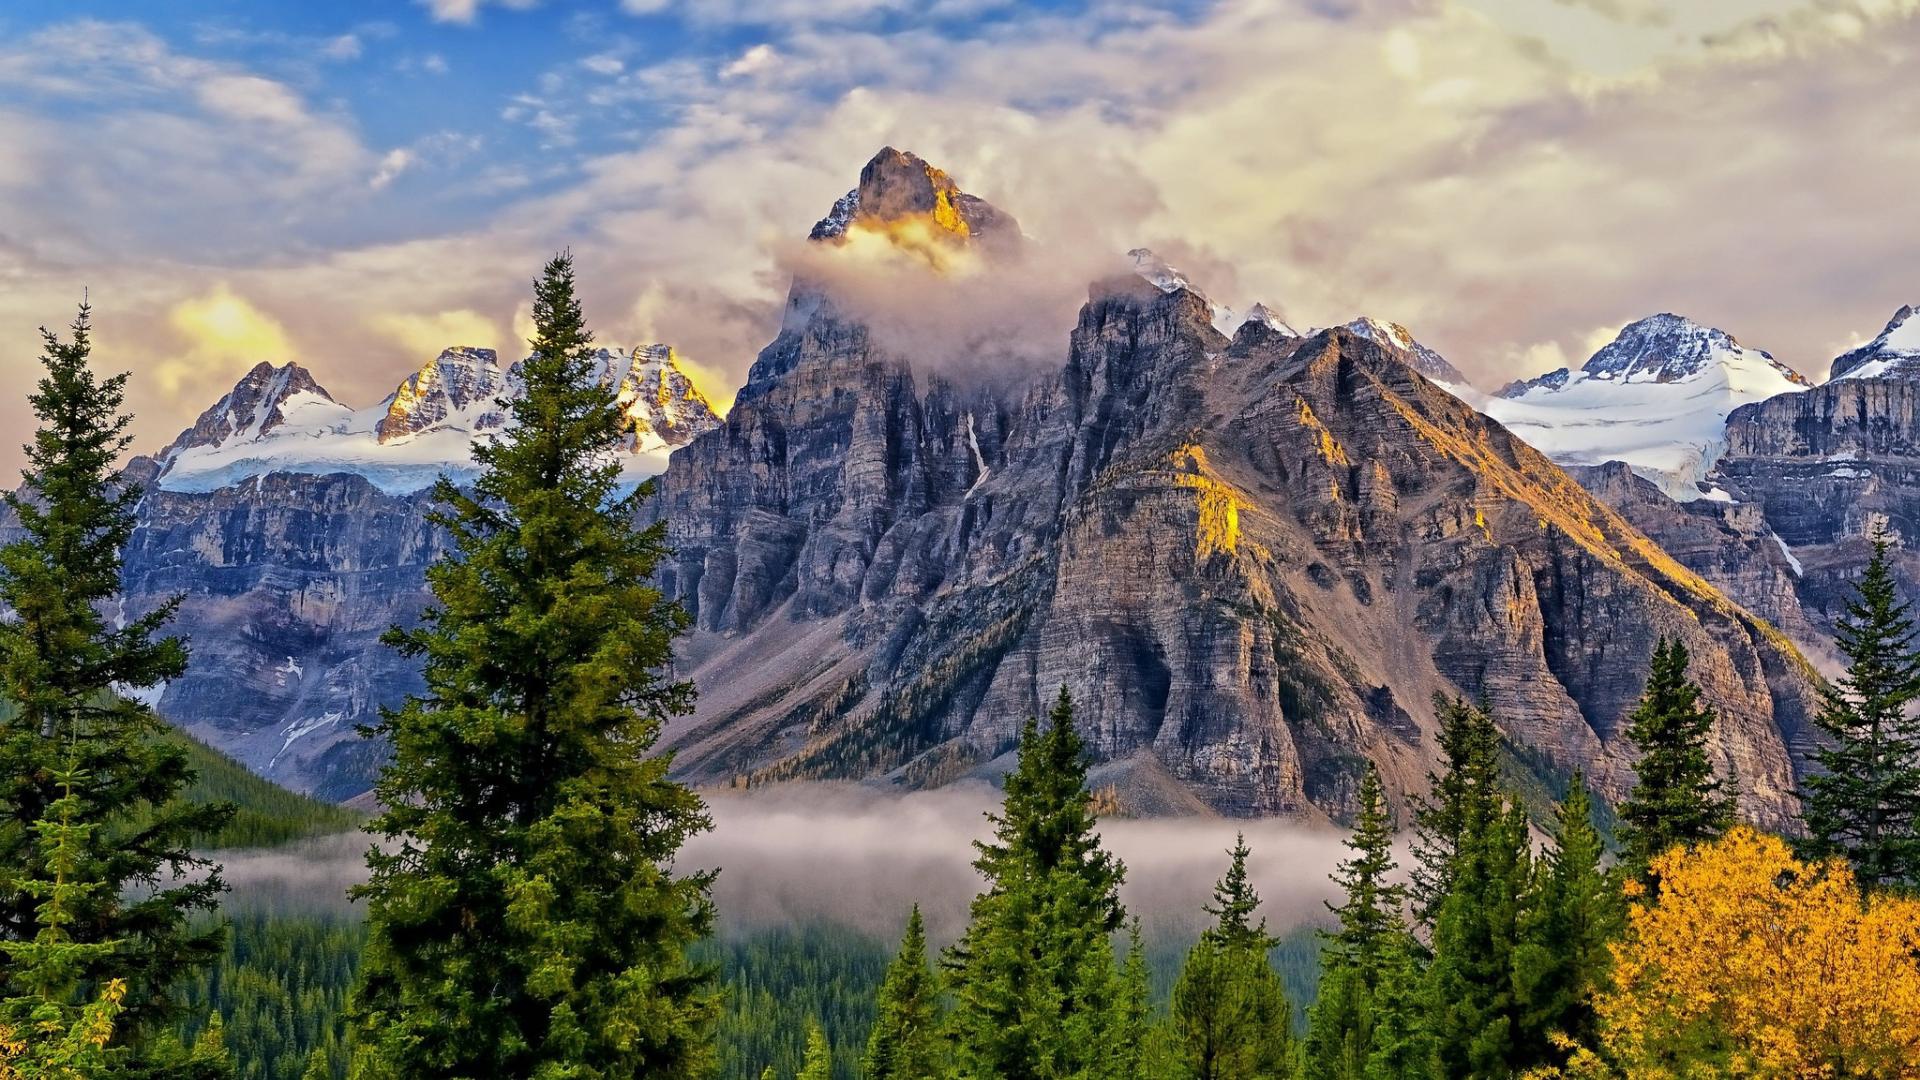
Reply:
x=458, y=385
x=1400, y=341
x=1894, y=354
x=1269, y=318
x=898, y=190
x=660, y=400
x=260, y=402
x=1668, y=347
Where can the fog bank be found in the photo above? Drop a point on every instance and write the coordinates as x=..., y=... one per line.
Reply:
x=858, y=856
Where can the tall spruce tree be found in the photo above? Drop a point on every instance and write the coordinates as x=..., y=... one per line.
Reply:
x=1562, y=959
x=905, y=1041
x=524, y=917
x=1864, y=804
x=1229, y=1017
x=818, y=1062
x=1033, y=977
x=1469, y=1007
x=1368, y=962
x=1468, y=784
x=1675, y=798
x=66, y=663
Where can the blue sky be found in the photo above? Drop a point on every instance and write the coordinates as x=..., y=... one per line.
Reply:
x=354, y=184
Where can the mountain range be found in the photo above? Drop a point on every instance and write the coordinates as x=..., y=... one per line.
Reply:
x=1254, y=553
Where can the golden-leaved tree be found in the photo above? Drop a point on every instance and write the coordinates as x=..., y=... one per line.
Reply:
x=1754, y=963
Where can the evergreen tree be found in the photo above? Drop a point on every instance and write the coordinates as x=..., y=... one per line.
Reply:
x=64, y=668
x=1675, y=799
x=1865, y=802
x=1469, y=1007
x=1034, y=980
x=1563, y=960
x=1369, y=959
x=1230, y=1018
x=1468, y=785
x=525, y=919
x=818, y=1064
x=1139, y=1056
x=905, y=1041
x=1234, y=905
x=53, y=1033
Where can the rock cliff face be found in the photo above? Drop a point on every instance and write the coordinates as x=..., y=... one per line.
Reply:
x=1827, y=468
x=1253, y=560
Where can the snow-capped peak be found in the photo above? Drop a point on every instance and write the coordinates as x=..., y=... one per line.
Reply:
x=1669, y=347
x=1399, y=339
x=1656, y=398
x=277, y=420
x=264, y=399
x=1163, y=276
x=1267, y=317
x=1894, y=354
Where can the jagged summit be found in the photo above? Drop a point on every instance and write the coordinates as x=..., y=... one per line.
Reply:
x=1165, y=277
x=456, y=387
x=662, y=405
x=1267, y=317
x=1656, y=397
x=1895, y=354
x=1401, y=341
x=898, y=188
x=264, y=399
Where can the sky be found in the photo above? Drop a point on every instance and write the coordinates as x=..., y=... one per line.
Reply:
x=356, y=184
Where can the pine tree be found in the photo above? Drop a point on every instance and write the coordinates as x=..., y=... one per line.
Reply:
x=1675, y=799
x=905, y=1041
x=1369, y=958
x=1235, y=902
x=818, y=1064
x=1230, y=1018
x=1468, y=785
x=1562, y=959
x=1469, y=1007
x=525, y=918
x=1865, y=802
x=1034, y=979
x=50, y=1032
x=1139, y=1056
x=64, y=669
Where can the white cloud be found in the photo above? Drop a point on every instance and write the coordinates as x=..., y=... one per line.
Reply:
x=468, y=11
x=343, y=47
x=758, y=58
x=392, y=164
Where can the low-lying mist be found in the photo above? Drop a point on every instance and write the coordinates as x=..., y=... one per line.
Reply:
x=856, y=856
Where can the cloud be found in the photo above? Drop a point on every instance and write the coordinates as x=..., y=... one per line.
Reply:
x=467, y=12
x=342, y=47
x=859, y=857
x=392, y=164
x=425, y=335
x=217, y=333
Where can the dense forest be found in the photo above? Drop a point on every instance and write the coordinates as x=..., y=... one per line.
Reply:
x=523, y=914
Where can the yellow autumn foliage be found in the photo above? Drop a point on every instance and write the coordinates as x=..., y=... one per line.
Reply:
x=1754, y=964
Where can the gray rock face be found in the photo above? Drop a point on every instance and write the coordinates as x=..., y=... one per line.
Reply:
x=1827, y=468
x=286, y=585
x=1397, y=339
x=1252, y=561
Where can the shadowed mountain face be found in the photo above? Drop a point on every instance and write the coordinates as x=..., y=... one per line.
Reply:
x=1253, y=561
